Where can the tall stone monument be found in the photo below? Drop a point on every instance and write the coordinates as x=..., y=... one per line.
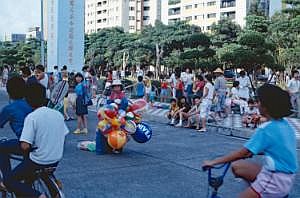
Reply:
x=65, y=34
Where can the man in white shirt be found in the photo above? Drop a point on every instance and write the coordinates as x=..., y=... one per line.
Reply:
x=294, y=89
x=244, y=86
x=43, y=138
x=42, y=78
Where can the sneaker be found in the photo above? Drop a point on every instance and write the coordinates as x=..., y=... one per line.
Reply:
x=77, y=131
x=202, y=130
x=178, y=125
x=85, y=131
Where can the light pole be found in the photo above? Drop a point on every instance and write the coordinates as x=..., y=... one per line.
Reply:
x=42, y=34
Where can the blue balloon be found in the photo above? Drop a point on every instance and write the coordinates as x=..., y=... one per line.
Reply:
x=143, y=133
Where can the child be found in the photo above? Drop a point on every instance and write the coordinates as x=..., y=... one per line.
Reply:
x=173, y=108
x=140, y=88
x=179, y=87
x=81, y=108
x=193, y=114
x=15, y=114
x=184, y=107
x=164, y=90
x=45, y=130
x=276, y=140
x=152, y=95
x=251, y=114
x=118, y=96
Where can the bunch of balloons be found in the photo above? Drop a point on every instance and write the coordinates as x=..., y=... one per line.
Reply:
x=117, y=125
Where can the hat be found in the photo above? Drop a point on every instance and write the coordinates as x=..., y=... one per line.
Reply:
x=116, y=82
x=218, y=70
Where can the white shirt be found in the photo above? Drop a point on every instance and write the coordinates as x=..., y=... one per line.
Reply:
x=252, y=111
x=294, y=86
x=44, y=81
x=45, y=129
x=234, y=93
x=173, y=80
x=211, y=89
x=244, y=87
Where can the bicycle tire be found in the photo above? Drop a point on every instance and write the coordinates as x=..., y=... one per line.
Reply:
x=47, y=184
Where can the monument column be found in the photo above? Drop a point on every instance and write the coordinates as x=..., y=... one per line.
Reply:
x=65, y=27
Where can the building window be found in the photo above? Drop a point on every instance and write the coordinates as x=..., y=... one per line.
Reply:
x=99, y=12
x=99, y=21
x=174, y=11
x=212, y=15
x=131, y=17
x=188, y=18
x=227, y=3
x=228, y=15
x=146, y=8
x=131, y=27
x=145, y=18
x=131, y=8
x=211, y=3
x=196, y=5
x=187, y=7
x=208, y=28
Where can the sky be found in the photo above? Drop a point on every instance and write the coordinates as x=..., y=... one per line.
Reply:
x=16, y=16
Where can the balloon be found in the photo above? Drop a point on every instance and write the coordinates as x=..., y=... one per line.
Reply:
x=129, y=116
x=122, y=121
x=109, y=112
x=115, y=123
x=116, y=139
x=104, y=126
x=137, y=118
x=130, y=127
x=114, y=105
x=100, y=114
x=143, y=133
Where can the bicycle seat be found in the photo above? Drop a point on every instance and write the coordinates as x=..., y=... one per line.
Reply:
x=48, y=170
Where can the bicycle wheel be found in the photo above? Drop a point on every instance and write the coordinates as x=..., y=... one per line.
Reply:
x=49, y=186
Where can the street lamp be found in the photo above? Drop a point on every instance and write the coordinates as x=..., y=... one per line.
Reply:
x=42, y=34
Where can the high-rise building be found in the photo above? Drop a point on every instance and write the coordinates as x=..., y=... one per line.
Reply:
x=15, y=37
x=33, y=32
x=131, y=15
x=206, y=12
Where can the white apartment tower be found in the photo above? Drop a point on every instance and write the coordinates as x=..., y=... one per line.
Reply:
x=131, y=15
x=206, y=12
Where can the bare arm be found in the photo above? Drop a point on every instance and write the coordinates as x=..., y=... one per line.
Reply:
x=234, y=156
x=25, y=146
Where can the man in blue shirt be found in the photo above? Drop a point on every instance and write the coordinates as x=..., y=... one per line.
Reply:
x=15, y=114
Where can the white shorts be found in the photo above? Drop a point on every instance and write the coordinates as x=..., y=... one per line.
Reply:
x=205, y=108
x=270, y=184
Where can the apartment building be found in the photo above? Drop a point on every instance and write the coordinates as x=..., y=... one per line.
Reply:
x=204, y=13
x=131, y=15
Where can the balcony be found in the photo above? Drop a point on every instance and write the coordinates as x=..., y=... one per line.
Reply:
x=227, y=3
x=173, y=2
x=174, y=11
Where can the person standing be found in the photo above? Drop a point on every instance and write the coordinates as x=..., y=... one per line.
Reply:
x=294, y=89
x=173, y=83
x=42, y=78
x=221, y=89
x=5, y=76
x=199, y=86
x=245, y=83
x=206, y=101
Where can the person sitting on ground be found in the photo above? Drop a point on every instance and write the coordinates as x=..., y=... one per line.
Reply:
x=140, y=88
x=43, y=144
x=193, y=114
x=276, y=140
x=251, y=115
x=15, y=114
x=184, y=108
x=173, y=108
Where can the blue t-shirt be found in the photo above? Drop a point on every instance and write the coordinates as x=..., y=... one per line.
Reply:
x=15, y=114
x=79, y=89
x=277, y=140
x=140, y=89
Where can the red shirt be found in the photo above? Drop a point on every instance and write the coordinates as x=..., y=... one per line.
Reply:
x=109, y=77
x=164, y=85
x=200, y=85
x=179, y=85
x=115, y=95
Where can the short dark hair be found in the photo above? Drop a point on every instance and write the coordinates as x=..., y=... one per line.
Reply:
x=16, y=87
x=242, y=73
x=26, y=71
x=209, y=77
x=36, y=95
x=251, y=101
x=79, y=75
x=40, y=67
x=200, y=77
x=140, y=78
x=65, y=67
x=236, y=83
x=295, y=72
x=279, y=108
x=196, y=97
x=173, y=100
x=55, y=67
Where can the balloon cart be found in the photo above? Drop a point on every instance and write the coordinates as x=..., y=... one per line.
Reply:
x=117, y=126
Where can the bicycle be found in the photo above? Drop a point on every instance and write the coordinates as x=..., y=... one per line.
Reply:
x=43, y=181
x=215, y=182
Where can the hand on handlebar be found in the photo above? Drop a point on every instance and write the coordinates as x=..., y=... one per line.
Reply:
x=207, y=164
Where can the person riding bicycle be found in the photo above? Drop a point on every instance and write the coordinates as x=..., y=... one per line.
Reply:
x=43, y=144
x=276, y=140
x=14, y=113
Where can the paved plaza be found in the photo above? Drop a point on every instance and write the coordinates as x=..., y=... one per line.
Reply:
x=167, y=166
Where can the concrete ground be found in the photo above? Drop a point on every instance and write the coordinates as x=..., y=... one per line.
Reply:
x=167, y=166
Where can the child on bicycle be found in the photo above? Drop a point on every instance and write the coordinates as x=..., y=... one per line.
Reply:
x=43, y=144
x=276, y=140
x=14, y=113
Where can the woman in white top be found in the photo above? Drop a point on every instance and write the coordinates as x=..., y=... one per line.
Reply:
x=235, y=99
x=206, y=101
x=244, y=86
